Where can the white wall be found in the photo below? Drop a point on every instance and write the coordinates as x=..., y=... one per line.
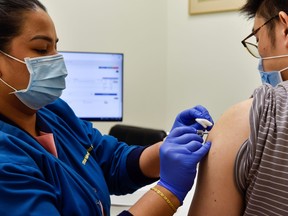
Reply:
x=206, y=63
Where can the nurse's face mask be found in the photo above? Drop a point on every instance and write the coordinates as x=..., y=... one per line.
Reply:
x=271, y=77
x=46, y=82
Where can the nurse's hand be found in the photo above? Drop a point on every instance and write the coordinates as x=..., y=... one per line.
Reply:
x=179, y=156
x=187, y=118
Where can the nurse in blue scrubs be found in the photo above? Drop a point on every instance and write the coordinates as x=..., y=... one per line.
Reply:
x=51, y=162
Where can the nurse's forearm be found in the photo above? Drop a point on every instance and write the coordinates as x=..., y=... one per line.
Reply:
x=155, y=204
x=150, y=161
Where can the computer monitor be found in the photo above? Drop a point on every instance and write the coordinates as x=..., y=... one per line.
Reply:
x=94, y=85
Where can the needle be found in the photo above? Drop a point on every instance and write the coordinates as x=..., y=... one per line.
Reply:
x=205, y=123
x=201, y=132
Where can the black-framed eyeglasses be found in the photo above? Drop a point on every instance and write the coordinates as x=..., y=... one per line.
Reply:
x=251, y=47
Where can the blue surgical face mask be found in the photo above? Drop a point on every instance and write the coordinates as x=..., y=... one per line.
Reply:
x=271, y=77
x=46, y=83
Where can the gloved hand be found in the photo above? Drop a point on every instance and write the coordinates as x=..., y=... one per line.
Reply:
x=179, y=155
x=187, y=118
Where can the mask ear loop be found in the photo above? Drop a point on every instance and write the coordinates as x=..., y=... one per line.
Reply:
x=16, y=59
x=12, y=57
x=279, y=56
x=280, y=72
x=274, y=57
x=283, y=69
x=8, y=86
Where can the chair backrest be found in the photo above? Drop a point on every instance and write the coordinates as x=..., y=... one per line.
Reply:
x=133, y=135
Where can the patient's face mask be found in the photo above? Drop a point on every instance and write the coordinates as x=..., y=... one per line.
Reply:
x=271, y=77
x=46, y=83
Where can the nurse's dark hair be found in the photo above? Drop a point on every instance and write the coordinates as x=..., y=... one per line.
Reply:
x=266, y=9
x=12, y=18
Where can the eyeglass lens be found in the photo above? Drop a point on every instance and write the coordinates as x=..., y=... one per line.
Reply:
x=252, y=49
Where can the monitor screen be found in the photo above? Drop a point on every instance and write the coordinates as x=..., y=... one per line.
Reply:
x=94, y=85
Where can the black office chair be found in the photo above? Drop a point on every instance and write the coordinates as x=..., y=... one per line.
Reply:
x=133, y=135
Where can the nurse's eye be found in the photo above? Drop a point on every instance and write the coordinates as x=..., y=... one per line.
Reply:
x=41, y=51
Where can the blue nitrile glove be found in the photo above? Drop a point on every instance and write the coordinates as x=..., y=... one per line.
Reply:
x=187, y=118
x=179, y=155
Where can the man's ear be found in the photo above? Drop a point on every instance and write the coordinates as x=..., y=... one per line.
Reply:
x=284, y=21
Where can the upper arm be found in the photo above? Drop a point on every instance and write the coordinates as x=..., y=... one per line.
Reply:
x=216, y=192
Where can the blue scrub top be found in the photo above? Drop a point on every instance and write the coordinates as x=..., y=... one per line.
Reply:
x=34, y=182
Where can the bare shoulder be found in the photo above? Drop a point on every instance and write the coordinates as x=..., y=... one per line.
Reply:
x=233, y=125
x=216, y=192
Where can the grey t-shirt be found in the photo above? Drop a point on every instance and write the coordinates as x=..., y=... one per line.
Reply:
x=261, y=167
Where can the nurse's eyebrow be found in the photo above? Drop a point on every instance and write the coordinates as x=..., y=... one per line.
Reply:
x=43, y=37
